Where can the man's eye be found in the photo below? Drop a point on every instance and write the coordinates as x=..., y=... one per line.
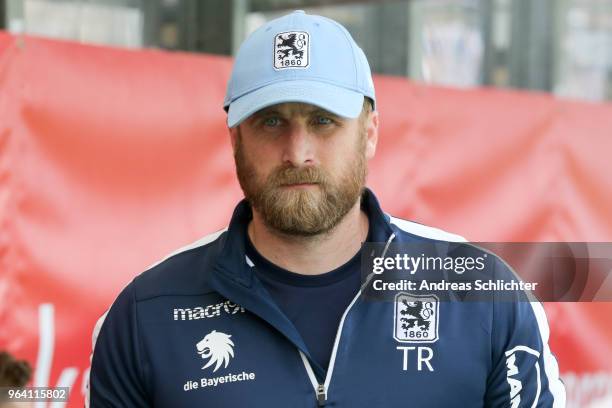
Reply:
x=272, y=121
x=324, y=120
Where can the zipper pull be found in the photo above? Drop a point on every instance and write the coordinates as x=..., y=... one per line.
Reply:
x=321, y=395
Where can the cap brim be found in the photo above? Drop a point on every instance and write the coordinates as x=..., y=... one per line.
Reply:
x=340, y=101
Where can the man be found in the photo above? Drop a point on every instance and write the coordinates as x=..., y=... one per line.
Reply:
x=270, y=312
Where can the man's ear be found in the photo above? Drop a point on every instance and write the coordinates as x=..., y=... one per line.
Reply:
x=371, y=134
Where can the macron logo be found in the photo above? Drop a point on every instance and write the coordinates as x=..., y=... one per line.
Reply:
x=209, y=311
x=519, y=360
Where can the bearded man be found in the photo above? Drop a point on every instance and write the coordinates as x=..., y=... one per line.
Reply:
x=274, y=303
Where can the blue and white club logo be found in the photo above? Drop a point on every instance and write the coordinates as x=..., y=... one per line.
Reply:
x=416, y=318
x=291, y=50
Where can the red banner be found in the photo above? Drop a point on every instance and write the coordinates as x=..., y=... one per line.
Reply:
x=110, y=159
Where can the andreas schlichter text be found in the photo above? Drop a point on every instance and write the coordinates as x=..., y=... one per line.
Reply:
x=480, y=285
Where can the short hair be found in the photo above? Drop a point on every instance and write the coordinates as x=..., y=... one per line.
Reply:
x=366, y=109
x=367, y=104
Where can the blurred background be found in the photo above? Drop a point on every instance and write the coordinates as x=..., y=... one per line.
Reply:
x=559, y=46
x=501, y=133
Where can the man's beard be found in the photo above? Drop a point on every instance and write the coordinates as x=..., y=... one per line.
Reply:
x=306, y=211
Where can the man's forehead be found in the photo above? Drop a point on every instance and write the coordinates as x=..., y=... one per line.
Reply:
x=292, y=108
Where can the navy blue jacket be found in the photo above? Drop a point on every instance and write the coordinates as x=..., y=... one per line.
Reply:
x=199, y=330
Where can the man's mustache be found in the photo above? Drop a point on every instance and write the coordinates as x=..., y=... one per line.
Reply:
x=297, y=175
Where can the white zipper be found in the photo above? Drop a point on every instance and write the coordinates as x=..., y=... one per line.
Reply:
x=321, y=389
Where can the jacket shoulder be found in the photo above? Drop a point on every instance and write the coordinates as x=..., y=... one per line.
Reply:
x=423, y=231
x=183, y=272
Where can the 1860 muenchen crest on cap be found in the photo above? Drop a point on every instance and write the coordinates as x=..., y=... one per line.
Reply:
x=291, y=50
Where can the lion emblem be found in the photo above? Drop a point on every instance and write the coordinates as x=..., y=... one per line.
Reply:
x=217, y=347
x=418, y=313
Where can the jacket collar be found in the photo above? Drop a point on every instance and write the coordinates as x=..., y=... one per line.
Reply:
x=232, y=257
x=234, y=278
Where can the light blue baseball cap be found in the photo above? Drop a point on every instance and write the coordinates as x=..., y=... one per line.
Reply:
x=299, y=58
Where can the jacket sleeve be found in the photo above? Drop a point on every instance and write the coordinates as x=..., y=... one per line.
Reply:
x=116, y=378
x=524, y=372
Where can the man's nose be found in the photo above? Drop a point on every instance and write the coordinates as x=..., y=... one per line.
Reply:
x=299, y=146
